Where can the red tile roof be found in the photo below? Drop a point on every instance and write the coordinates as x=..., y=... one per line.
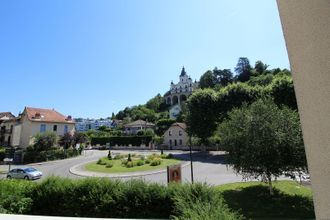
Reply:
x=46, y=115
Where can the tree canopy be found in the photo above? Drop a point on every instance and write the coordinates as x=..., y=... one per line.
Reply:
x=263, y=140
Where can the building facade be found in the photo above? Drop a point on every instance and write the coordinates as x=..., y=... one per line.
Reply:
x=134, y=127
x=176, y=136
x=92, y=124
x=21, y=130
x=180, y=92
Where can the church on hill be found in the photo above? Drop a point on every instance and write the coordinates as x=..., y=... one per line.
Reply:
x=179, y=93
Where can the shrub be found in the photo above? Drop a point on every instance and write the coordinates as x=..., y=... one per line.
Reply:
x=129, y=164
x=142, y=157
x=2, y=153
x=118, y=156
x=170, y=156
x=139, y=162
x=147, y=161
x=155, y=162
x=129, y=159
x=124, y=162
x=101, y=162
x=163, y=156
x=121, y=140
x=109, y=165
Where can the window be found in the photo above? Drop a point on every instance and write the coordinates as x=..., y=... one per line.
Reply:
x=55, y=128
x=170, y=133
x=180, y=142
x=66, y=129
x=180, y=133
x=170, y=143
x=42, y=128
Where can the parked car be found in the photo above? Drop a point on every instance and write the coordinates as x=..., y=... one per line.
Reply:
x=28, y=173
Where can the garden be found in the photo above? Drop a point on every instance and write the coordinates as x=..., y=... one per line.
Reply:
x=121, y=163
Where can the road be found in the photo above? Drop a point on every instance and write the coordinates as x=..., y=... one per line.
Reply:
x=209, y=168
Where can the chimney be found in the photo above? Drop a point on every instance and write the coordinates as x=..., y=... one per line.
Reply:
x=69, y=118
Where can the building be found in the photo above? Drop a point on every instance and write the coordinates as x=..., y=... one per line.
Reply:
x=134, y=127
x=91, y=124
x=176, y=136
x=175, y=111
x=179, y=92
x=19, y=131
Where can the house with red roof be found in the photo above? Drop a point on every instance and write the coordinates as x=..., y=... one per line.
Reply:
x=23, y=128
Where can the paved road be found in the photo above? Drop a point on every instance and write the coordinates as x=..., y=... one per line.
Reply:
x=208, y=167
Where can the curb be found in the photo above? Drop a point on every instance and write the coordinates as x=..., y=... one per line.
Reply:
x=73, y=170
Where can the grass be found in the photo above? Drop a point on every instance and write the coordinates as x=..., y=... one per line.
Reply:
x=118, y=168
x=252, y=200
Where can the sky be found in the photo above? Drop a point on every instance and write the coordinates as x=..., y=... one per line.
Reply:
x=89, y=58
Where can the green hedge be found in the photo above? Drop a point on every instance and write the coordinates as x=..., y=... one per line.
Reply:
x=104, y=198
x=31, y=155
x=121, y=140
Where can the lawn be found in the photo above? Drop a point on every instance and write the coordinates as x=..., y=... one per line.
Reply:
x=119, y=168
x=252, y=200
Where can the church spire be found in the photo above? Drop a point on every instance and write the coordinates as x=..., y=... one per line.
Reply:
x=183, y=72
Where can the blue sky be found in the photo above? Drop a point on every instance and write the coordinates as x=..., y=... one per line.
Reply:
x=92, y=58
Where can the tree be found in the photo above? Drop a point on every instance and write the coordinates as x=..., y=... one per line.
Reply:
x=163, y=124
x=208, y=80
x=155, y=103
x=282, y=90
x=243, y=69
x=79, y=138
x=202, y=114
x=260, y=67
x=45, y=141
x=224, y=77
x=66, y=140
x=263, y=140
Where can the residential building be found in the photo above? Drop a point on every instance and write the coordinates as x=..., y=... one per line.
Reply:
x=176, y=136
x=91, y=124
x=134, y=127
x=19, y=131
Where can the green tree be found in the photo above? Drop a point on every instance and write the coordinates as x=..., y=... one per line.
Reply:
x=260, y=67
x=202, y=114
x=155, y=103
x=263, y=140
x=243, y=69
x=282, y=90
x=162, y=125
x=66, y=141
x=208, y=80
x=45, y=141
x=79, y=138
x=224, y=77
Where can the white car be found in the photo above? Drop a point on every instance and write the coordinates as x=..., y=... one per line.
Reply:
x=28, y=173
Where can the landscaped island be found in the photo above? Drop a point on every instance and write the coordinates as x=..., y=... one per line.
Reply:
x=122, y=163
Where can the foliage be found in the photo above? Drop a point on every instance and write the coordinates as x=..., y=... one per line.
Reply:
x=243, y=69
x=200, y=202
x=260, y=68
x=122, y=141
x=146, y=132
x=282, y=90
x=109, y=155
x=157, y=104
x=263, y=140
x=208, y=80
x=261, y=80
x=45, y=140
x=202, y=115
x=66, y=140
x=79, y=138
x=163, y=124
x=109, y=165
x=33, y=155
x=2, y=153
x=155, y=162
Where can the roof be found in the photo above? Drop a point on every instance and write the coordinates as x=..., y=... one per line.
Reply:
x=7, y=115
x=46, y=115
x=139, y=123
x=181, y=125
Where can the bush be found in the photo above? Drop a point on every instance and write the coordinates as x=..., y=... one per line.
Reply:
x=121, y=140
x=101, y=162
x=155, y=162
x=109, y=155
x=118, y=157
x=129, y=159
x=104, y=198
x=170, y=156
x=139, y=162
x=147, y=161
x=129, y=164
x=109, y=165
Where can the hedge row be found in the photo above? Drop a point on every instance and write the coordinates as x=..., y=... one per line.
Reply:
x=32, y=156
x=122, y=140
x=2, y=153
x=95, y=197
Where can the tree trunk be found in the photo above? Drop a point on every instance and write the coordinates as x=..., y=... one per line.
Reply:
x=271, y=191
